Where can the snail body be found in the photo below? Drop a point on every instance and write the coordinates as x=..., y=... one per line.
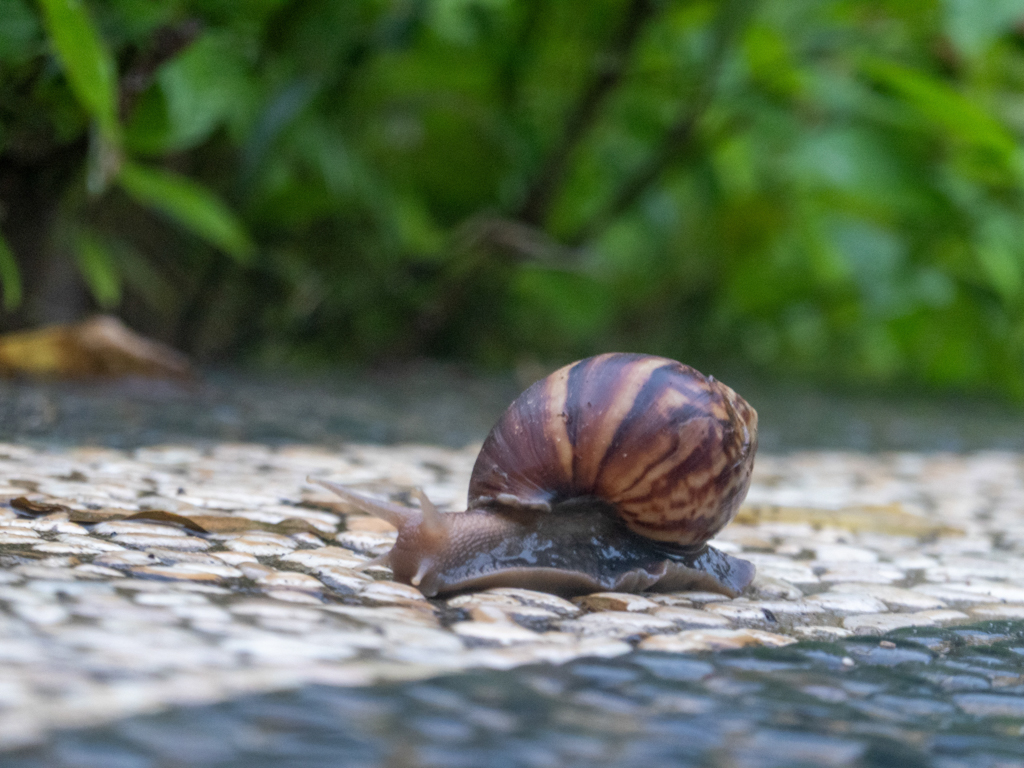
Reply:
x=610, y=474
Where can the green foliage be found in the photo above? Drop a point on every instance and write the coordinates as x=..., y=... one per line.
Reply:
x=86, y=61
x=20, y=34
x=99, y=268
x=190, y=204
x=10, y=278
x=828, y=188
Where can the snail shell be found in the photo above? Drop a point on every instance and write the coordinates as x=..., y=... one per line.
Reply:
x=670, y=448
x=611, y=473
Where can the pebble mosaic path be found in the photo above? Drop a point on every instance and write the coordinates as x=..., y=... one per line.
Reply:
x=103, y=617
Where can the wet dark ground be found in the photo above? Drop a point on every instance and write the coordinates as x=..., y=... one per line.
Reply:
x=944, y=698
x=448, y=406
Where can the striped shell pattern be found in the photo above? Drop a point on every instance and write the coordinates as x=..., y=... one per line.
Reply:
x=672, y=449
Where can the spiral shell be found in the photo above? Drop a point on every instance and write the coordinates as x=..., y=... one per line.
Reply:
x=671, y=449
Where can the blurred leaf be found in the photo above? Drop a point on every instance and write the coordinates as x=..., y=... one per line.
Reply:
x=136, y=20
x=554, y=308
x=20, y=33
x=853, y=160
x=736, y=167
x=279, y=112
x=999, y=254
x=935, y=288
x=148, y=129
x=461, y=21
x=944, y=106
x=141, y=277
x=876, y=258
x=207, y=85
x=973, y=24
x=99, y=268
x=416, y=228
x=771, y=60
x=193, y=206
x=10, y=276
x=88, y=64
x=204, y=86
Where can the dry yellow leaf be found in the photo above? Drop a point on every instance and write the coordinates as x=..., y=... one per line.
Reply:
x=99, y=346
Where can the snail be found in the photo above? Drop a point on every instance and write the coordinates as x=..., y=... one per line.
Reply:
x=610, y=474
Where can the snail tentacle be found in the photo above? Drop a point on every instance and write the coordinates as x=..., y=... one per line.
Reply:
x=397, y=515
x=431, y=522
x=423, y=534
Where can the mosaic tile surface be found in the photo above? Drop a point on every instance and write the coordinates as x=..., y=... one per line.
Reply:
x=103, y=617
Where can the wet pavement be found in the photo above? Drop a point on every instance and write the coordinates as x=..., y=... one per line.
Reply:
x=946, y=698
x=886, y=625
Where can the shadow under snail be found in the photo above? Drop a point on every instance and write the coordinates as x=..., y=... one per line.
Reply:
x=610, y=474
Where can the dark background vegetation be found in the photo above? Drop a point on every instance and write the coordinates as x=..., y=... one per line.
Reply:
x=827, y=189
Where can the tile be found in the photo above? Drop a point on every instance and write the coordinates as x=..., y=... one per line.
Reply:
x=615, y=601
x=262, y=610
x=880, y=623
x=697, y=640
